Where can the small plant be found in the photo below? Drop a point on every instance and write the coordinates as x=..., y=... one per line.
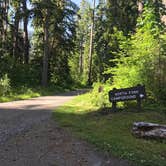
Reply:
x=100, y=98
x=5, y=85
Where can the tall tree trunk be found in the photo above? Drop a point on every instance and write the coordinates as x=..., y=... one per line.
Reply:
x=26, y=39
x=140, y=6
x=46, y=50
x=4, y=21
x=81, y=57
x=15, y=36
x=91, y=45
x=4, y=7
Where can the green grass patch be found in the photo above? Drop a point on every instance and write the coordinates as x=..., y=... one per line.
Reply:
x=112, y=133
x=19, y=95
x=22, y=93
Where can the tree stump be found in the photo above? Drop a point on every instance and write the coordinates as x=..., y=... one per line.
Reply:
x=149, y=130
x=100, y=89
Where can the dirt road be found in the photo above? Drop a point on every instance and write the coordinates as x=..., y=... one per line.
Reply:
x=29, y=137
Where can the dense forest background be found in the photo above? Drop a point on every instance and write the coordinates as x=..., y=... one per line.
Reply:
x=117, y=43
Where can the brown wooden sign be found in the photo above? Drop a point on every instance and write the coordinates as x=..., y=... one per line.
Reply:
x=133, y=93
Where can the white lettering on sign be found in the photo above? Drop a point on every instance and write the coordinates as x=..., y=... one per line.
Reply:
x=123, y=97
x=120, y=93
x=134, y=92
x=141, y=95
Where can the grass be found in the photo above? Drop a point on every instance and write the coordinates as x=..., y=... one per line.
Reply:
x=23, y=93
x=19, y=95
x=112, y=133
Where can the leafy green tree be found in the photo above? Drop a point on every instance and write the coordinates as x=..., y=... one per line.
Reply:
x=58, y=22
x=141, y=64
x=112, y=17
x=79, y=62
x=122, y=14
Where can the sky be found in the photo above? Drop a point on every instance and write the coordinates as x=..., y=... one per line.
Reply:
x=77, y=1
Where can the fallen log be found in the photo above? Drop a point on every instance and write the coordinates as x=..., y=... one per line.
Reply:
x=149, y=130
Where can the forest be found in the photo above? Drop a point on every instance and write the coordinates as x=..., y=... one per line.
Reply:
x=57, y=43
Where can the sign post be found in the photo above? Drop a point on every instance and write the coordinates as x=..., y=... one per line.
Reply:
x=133, y=93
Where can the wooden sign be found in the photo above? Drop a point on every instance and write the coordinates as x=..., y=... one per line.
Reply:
x=133, y=93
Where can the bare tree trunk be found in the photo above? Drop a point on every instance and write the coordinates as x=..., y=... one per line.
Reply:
x=15, y=35
x=140, y=6
x=26, y=39
x=5, y=20
x=46, y=50
x=91, y=45
x=81, y=57
x=4, y=6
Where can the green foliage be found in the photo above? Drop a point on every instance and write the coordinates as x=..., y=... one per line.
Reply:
x=22, y=51
x=99, y=95
x=141, y=59
x=79, y=61
x=20, y=93
x=59, y=17
x=24, y=92
x=4, y=85
x=122, y=14
x=25, y=75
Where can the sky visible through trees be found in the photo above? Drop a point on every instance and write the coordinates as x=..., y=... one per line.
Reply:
x=79, y=1
x=75, y=1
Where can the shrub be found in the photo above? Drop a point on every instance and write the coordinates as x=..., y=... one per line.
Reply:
x=4, y=85
x=99, y=96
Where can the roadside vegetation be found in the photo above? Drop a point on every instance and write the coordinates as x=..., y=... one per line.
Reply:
x=12, y=93
x=23, y=93
x=112, y=133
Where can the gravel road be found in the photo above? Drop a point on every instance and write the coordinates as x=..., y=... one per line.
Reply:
x=30, y=137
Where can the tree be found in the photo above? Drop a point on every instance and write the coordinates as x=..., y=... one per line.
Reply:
x=4, y=10
x=91, y=44
x=141, y=62
x=16, y=6
x=26, y=14
x=42, y=16
x=57, y=20
x=80, y=60
x=122, y=14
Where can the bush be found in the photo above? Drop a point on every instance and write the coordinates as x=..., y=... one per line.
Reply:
x=24, y=75
x=5, y=87
x=99, y=95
